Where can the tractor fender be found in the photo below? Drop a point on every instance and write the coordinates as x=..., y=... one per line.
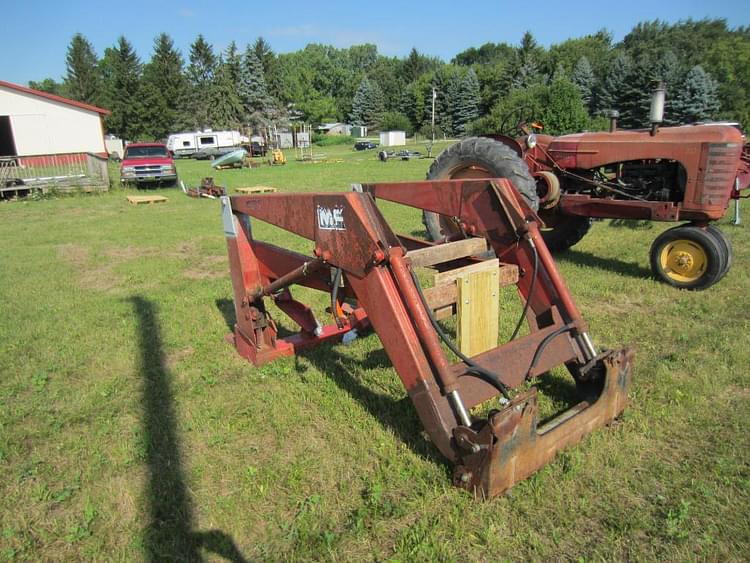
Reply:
x=517, y=147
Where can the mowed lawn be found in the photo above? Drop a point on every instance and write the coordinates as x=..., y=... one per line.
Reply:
x=130, y=430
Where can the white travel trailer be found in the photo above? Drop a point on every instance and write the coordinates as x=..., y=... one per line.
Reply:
x=185, y=144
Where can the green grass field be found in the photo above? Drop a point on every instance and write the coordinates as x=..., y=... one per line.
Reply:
x=129, y=430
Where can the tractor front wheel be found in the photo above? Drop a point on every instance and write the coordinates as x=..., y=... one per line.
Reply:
x=726, y=247
x=688, y=257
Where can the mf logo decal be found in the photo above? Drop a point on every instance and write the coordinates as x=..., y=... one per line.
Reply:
x=331, y=218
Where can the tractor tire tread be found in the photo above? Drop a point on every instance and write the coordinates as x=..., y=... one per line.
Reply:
x=573, y=230
x=708, y=242
x=490, y=154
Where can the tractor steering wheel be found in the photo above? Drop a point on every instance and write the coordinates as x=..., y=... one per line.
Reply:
x=521, y=116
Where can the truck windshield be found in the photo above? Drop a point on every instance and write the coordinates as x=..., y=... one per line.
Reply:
x=145, y=152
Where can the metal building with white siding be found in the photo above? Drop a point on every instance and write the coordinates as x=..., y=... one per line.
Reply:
x=38, y=123
x=392, y=138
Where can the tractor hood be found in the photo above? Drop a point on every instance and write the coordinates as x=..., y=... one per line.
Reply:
x=684, y=144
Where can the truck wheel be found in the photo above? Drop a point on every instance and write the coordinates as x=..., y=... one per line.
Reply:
x=687, y=257
x=477, y=157
x=560, y=231
x=726, y=247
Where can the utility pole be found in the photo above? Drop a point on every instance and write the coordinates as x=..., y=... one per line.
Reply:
x=434, y=96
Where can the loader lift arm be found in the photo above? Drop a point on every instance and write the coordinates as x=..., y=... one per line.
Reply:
x=351, y=236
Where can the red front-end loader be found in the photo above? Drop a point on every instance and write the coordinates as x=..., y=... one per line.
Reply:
x=370, y=274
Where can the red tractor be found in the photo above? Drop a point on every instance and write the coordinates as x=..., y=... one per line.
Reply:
x=686, y=173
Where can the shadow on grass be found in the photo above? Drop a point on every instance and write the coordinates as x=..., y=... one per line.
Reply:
x=397, y=414
x=580, y=258
x=632, y=224
x=169, y=534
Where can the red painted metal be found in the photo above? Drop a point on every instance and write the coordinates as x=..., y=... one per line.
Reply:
x=710, y=156
x=348, y=232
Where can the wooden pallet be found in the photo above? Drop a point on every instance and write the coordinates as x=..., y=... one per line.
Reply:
x=138, y=199
x=255, y=190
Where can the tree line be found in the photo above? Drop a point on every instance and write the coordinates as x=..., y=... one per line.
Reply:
x=567, y=87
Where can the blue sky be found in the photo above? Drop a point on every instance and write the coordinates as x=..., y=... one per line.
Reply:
x=36, y=34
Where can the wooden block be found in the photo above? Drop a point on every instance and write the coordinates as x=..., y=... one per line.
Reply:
x=440, y=253
x=441, y=295
x=138, y=199
x=477, y=311
x=449, y=276
x=255, y=190
x=446, y=294
x=445, y=312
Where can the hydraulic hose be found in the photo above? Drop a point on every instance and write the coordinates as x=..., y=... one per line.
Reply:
x=474, y=368
x=543, y=344
x=531, y=289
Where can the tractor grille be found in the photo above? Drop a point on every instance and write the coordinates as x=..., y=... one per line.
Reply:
x=720, y=171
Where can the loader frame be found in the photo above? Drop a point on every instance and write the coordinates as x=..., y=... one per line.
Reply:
x=367, y=269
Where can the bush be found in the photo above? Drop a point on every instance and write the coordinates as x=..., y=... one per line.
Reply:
x=426, y=131
x=396, y=121
x=329, y=140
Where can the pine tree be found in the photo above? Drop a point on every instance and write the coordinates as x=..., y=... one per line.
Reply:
x=697, y=99
x=669, y=70
x=466, y=104
x=162, y=88
x=122, y=75
x=82, y=81
x=264, y=53
x=635, y=94
x=609, y=94
x=233, y=62
x=195, y=105
x=559, y=73
x=253, y=92
x=583, y=78
x=525, y=68
x=414, y=66
x=367, y=106
x=226, y=110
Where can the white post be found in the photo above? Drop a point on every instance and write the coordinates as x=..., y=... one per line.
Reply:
x=736, y=212
x=434, y=95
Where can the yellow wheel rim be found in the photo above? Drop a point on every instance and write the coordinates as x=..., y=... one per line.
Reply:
x=683, y=260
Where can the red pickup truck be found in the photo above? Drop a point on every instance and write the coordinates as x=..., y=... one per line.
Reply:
x=148, y=163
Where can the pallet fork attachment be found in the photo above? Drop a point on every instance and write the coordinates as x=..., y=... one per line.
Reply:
x=354, y=245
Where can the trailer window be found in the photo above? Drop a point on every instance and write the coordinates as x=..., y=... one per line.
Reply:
x=185, y=143
x=207, y=140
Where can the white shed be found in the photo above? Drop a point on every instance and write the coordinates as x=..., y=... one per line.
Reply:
x=38, y=123
x=392, y=138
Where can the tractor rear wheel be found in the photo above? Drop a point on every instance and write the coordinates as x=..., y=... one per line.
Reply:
x=726, y=247
x=477, y=157
x=560, y=231
x=687, y=257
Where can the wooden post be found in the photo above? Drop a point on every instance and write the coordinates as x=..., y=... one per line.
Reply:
x=478, y=310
